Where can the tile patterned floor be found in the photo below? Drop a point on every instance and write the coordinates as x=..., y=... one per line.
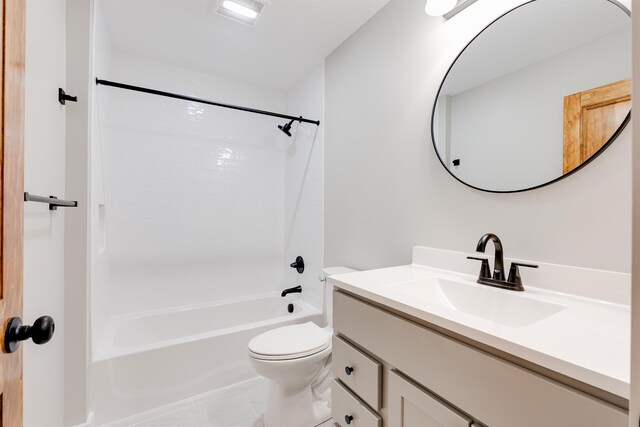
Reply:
x=240, y=405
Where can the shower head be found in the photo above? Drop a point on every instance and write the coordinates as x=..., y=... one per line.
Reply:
x=286, y=128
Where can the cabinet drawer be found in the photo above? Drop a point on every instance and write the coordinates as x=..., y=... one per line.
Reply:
x=411, y=406
x=357, y=371
x=495, y=392
x=348, y=410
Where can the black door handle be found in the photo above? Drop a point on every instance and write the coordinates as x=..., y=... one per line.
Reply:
x=40, y=333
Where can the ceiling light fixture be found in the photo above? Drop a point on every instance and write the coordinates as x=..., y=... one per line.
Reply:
x=439, y=7
x=245, y=11
x=240, y=9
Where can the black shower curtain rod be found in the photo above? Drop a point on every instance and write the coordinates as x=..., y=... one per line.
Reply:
x=204, y=101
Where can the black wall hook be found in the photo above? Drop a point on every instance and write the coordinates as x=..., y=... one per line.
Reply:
x=63, y=97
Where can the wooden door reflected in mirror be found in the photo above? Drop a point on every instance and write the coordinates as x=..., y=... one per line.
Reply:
x=591, y=118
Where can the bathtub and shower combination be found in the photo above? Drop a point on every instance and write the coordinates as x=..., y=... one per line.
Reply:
x=192, y=202
x=146, y=361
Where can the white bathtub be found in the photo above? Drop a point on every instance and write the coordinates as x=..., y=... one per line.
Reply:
x=150, y=360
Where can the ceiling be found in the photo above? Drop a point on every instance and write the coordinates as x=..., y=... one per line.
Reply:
x=290, y=38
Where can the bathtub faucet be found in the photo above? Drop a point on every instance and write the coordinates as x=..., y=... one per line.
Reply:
x=296, y=290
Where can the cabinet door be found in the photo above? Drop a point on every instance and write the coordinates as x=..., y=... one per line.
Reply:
x=411, y=406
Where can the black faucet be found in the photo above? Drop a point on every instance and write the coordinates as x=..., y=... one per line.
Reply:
x=514, y=282
x=296, y=290
x=498, y=265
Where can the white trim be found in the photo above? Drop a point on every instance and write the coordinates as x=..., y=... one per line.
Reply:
x=88, y=423
x=634, y=401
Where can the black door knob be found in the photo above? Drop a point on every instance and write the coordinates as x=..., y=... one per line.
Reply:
x=348, y=370
x=348, y=419
x=40, y=333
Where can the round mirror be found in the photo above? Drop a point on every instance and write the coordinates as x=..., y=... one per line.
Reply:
x=536, y=96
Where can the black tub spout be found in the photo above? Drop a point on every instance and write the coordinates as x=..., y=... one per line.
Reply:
x=296, y=290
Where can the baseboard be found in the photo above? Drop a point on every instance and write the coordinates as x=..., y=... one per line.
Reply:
x=88, y=423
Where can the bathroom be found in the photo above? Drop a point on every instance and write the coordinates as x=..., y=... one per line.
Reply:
x=260, y=213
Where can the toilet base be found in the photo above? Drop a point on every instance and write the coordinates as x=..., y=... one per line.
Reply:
x=290, y=406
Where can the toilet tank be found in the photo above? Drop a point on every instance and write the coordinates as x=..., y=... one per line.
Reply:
x=328, y=290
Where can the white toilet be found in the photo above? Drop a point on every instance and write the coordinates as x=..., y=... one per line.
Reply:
x=297, y=360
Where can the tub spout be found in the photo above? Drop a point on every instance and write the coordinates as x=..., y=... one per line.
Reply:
x=296, y=290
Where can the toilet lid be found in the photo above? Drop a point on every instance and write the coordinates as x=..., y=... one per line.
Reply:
x=289, y=342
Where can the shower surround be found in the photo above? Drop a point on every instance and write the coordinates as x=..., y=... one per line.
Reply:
x=194, y=195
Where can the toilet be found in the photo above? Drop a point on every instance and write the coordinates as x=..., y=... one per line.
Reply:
x=297, y=360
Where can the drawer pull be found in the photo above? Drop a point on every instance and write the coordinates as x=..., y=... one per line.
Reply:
x=348, y=419
x=348, y=370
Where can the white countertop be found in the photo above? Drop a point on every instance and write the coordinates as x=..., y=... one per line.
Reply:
x=588, y=339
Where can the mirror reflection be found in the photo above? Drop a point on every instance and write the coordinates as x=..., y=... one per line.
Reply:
x=536, y=95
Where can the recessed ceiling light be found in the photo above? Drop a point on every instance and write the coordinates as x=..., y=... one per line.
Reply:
x=240, y=9
x=439, y=7
x=245, y=11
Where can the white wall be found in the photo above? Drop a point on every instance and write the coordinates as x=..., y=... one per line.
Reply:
x=530, y=99
x=304, y=187
x=386, y=190
x=194, y=195
x=44, y=229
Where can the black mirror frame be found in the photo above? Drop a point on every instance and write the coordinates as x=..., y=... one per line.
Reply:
x=615, y=135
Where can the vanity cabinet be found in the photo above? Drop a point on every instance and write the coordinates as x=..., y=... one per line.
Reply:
x=431, y=379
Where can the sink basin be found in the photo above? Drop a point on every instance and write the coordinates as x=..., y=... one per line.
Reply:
x=504, y=307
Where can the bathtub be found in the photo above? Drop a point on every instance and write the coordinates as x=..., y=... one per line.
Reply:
x=146, y=361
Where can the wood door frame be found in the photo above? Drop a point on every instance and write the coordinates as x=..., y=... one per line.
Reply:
x=11, y=202
x=574, y=105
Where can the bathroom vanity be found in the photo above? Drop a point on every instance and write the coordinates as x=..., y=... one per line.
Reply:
x=417, y=346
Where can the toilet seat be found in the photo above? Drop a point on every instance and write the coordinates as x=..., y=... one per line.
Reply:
x=290, y=342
